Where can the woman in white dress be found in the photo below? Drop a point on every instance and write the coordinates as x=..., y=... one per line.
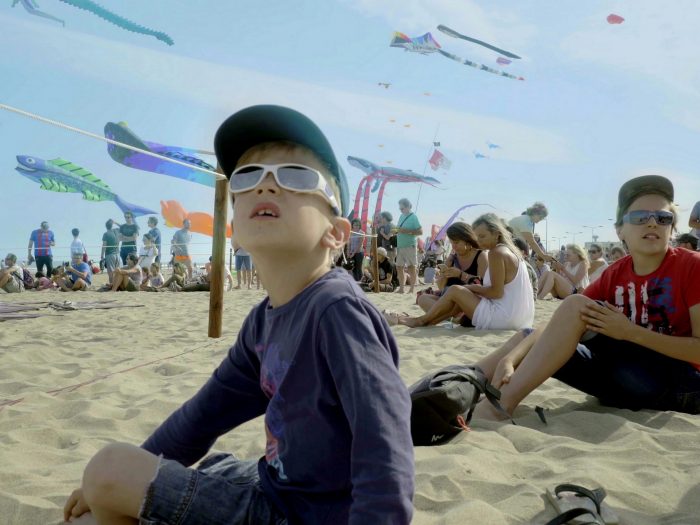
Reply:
x=597, y=263
x=566, y=279
x=504, y=301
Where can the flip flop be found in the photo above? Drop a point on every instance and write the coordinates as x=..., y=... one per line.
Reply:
x=578, y=505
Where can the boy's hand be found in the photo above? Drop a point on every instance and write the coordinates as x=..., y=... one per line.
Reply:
x=606, y=320
x=75, y=506
x=503, y=373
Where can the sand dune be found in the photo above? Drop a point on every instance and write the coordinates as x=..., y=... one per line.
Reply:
x=116, y=374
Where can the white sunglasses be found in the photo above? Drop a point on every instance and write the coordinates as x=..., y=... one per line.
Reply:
x=292, y=177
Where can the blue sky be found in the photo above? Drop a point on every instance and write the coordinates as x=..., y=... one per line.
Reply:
x=601, y=102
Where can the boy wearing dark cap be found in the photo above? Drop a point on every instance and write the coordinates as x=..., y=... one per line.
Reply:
x=315, y=357
x=633, y=338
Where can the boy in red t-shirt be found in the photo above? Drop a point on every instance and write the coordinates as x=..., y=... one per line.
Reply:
x=633, y=338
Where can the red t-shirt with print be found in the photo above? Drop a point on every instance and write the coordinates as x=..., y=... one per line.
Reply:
x=659, y=301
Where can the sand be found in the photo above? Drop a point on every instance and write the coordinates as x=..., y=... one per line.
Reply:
x=139, y=364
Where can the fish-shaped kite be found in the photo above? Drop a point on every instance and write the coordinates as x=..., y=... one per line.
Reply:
x=175, y=214
x=140, y=161
x=63, y=176
x=614, y=19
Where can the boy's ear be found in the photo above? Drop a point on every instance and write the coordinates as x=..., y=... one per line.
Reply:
x=337, y=235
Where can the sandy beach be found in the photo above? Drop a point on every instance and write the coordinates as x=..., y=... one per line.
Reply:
x=72, y=381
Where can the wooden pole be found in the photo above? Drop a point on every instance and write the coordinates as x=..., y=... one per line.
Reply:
x=218, y=259
x=375, y=261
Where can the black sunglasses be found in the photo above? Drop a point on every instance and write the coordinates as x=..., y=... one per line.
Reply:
x=640, y=217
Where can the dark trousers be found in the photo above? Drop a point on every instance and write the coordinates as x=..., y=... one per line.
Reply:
x=625, y=375
x=126, y=250
x=44, y=260
x=357, y=268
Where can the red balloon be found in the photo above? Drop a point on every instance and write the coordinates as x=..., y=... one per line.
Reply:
x=615, y=19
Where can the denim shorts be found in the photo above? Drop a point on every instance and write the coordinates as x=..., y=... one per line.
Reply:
x=222, y=490
x=625, y=375
x=243, y=262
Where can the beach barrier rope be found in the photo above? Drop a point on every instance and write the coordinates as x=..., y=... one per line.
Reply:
x=4, y=403
x=74, y=129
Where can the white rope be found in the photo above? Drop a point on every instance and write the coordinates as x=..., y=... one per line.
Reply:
x=109, y=141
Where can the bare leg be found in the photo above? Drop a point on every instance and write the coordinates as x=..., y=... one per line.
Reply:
x=549, y=353
x=562, y=287
x=4, y=278
x=402, y=278
x=117, y=281
x=426, y=301
x=546, y=285
x=248, y=278
x=115, y=483
x=413, y=275
x=443, y=307
x=489, y=363
x=239, y=275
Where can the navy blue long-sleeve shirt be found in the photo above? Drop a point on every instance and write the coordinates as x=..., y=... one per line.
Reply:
x=323, y=368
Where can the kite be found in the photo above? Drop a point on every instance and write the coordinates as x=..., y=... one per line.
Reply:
x=614, y=19
x=174, y=214
x=33, y=9
x=491, y=145
x=382, y=175
x=455, y=34
x=438, y=160
x=385, y=85
x=441, y=234
x=96, y=9
x=503, y=61
x=62, y=176
x=478, y=155
x=426, y=45
x=140, y=161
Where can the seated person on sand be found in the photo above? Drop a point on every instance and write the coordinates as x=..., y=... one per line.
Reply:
x=687, y=241
x=147, y=256
x=128, y=278
x=386, y=273
x=465, y=265
x=155, y=279
x=203, y=282
x=597, y=263
x=503, y=302
x=566, y=279
x=78, y=274
x=228, y=278
x=633, y=338
x=12, y=276
x=177, y=279
x=617, y=253
x=41, y=282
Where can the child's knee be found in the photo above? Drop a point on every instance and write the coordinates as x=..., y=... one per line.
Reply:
x=573, y=304
x=103, y=473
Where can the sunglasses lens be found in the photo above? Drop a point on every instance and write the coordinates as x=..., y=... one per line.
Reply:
x=298, y=178
x=663, y=217
x=246, y=178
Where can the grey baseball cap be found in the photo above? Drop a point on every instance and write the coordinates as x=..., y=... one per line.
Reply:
x=644, y=185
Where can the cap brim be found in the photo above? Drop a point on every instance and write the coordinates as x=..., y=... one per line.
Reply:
x=267, y=123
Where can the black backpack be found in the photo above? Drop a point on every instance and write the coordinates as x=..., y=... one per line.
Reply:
x=443, y=403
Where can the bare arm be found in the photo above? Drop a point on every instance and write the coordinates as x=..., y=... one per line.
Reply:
x=532, y=243
x=608, y=321
x=497, y=268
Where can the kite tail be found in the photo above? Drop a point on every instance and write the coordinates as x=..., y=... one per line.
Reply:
x=89, y=5
x=133, y=208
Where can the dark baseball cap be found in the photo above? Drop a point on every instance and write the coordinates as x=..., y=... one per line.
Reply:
x=266, y=123
x=644, y=185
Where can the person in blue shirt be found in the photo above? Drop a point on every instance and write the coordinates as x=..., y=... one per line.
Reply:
x=315, y=357
x=78, y=274
x=155, y=235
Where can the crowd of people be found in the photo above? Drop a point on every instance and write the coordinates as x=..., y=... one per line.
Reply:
x=317, y=354
x=128, y=267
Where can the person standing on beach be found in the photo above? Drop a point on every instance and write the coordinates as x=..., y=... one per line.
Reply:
x=154, y=232
x=42, y=239
x=77, y=246
x=633, y=338
x=384, y=235
x=407, y=232
x=128, y=235
x=110, y=249
x=180, y=246
x=314, y=357
x=523, y=226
